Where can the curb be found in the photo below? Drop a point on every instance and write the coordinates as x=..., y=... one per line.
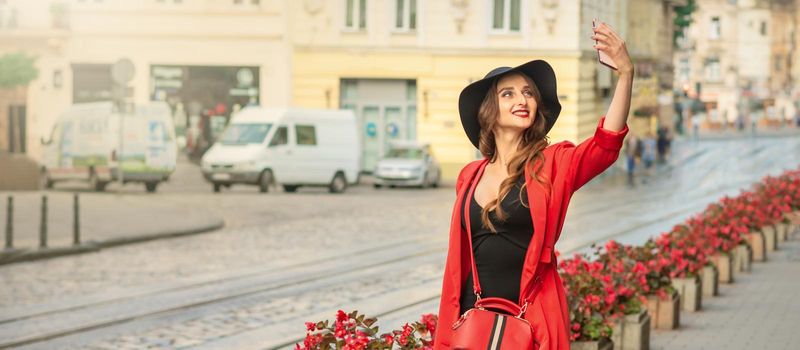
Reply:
x=10, y=256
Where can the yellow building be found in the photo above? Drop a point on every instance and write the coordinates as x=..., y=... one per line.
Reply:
x=401, y=64
x=649, y=41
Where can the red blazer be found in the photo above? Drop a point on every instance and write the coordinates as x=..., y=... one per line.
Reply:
x=568, y=167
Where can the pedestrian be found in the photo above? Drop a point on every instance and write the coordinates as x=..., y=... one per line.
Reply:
x=633, y=147
x=649, y=150
x=662, y=144
x=511, y=204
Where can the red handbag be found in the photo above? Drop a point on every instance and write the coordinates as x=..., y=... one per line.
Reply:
x=494, y=323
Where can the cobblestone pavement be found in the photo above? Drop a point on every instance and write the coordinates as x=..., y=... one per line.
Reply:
x=266, y=234
x=759, y=311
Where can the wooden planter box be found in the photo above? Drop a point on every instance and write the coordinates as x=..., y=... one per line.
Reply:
x=794, y=225
x=691, y=291
x=664, y=313
x=710, y=278
x=602, y=344
x=723, y=263
x=742, y=257
x=782, y=230
x=756, y=240
x=632, y=332
x=770, y=238
x=794, y=217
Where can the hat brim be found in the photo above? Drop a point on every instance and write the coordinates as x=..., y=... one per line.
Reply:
x=469, y=102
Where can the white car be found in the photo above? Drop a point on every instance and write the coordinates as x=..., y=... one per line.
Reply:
x=408, y=163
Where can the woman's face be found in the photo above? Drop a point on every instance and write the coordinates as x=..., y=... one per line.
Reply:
x=516, y=101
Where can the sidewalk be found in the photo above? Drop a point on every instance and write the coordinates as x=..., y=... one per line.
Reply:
x=106, y=220
x=760, y=310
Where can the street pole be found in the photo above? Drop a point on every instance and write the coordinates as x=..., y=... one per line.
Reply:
x=76, y=221
x=43, y=224
x=121, y=142
x=10, y=223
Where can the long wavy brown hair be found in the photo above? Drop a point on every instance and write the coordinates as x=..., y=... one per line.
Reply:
x=528, y=153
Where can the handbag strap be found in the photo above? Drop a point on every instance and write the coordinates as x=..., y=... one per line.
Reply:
x=476, y=285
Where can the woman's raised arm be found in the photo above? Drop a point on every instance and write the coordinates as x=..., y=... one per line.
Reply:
x=610, y=43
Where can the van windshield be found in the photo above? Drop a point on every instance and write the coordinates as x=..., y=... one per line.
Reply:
x=242, y=134
x=405, y=153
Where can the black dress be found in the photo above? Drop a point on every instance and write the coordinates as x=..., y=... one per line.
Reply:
x=499, y=256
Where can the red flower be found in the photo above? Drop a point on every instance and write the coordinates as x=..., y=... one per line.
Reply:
x=341, y=316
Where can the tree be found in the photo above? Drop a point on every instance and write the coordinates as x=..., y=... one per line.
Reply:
x=17, y=69
x=683, y=18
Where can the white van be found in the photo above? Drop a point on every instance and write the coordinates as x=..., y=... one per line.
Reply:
x=293, y=147
x=85, y=145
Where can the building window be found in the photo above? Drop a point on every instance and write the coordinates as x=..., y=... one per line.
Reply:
x=763, y=28
x=405, y=15
x=715, y=30
x=355, y=15
x=506, y=15
x=712, y=69
x=684, y=69
x=305, y=135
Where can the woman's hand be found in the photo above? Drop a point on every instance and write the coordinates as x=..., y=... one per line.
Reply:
x=611, y=44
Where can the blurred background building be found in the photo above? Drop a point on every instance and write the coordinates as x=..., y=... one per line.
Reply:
x=399, y=64
x=738, y=59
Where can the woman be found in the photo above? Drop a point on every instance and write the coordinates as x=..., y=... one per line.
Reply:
x=522, y=189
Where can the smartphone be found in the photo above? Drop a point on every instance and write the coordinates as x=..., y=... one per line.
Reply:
x=602, y=57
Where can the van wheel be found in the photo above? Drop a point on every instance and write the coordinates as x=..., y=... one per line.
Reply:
x=150, y=186
x=377, y=185
x=290, y=188
x=95, y=183
x=217, y=187
x=338, y=184
x=438, y=179
x=265, y=181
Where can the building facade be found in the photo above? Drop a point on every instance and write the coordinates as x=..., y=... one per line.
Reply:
x=204, y=57
x=737, y=60
x=399, y=64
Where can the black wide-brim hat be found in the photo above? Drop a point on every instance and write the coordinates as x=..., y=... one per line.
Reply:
x=469, y=102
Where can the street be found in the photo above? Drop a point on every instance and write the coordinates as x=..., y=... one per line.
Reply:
x=286, y=258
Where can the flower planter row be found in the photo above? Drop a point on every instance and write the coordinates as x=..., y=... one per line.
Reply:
x=633, y=331
x=682, y=266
